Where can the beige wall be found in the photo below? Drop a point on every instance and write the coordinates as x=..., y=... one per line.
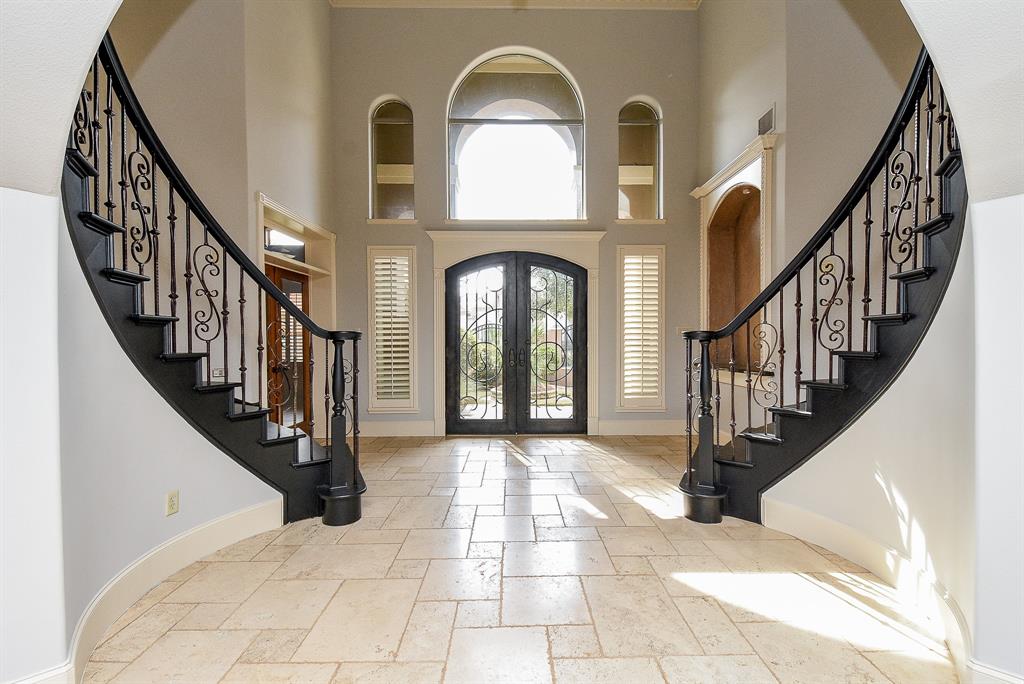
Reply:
x=419, y=54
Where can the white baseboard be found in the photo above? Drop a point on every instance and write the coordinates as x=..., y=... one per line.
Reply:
x=396, y=428
x=134, y=581
x=938, y=612
x=671, y=426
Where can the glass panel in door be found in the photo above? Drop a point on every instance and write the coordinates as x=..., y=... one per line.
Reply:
x=481, y=335
x=551, y=354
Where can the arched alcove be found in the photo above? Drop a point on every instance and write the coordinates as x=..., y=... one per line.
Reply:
x=734, y=258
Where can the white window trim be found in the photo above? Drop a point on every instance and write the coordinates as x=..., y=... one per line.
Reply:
x=624, y=405
x=376, y=405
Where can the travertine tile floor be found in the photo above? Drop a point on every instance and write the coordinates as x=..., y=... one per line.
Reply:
x=520, y=560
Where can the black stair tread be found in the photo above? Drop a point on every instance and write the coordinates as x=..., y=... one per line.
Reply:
x=734, y=453
x=216, y=386
x=766, y=438
x=152, y=319
x=823, y=385
x=119, y=276
x=952, y=158
x=99, y=224
x=914, y=274
x=249, y=413
x=892, y=318
x=857, y=354
x=183, y=356
x=794, y=411
x=934, y=225
x=81, y=164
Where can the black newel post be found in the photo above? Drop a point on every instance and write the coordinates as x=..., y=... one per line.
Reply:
x=342, y=496
x=702, y=496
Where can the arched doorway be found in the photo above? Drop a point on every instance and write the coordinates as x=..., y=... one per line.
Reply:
x=734, y=260
x=515, y=345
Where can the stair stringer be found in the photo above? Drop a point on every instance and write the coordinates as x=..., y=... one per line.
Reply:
x=864, y=379
x=207, y=412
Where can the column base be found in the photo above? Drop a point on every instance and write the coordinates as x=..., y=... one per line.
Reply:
x=702, y=504
x=343, y=505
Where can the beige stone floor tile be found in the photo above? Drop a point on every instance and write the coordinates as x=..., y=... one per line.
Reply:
x=352, y=561
x=742, y=669
x=498, y=654
x=186, y=572
x=471, y=579
x=429, y=630
x=378, y=506
x=364, y=621
x=223, y=583
x=273, y=646
x=800, y=656
x=448, y=492
x=567, y=534
x=545, y=487
x=283, y=604
x=388, y=673
x=495, y=470
x=408, y=569
x=690, y=575
x=634, y=616
x=691, y=547
x=460, y=517
x=187, y=657
x=309, y=531
x=607, y=671
x=636, y=541
x=548, y=521
x=478, y=614
x=770, y=556
x=632, y=565
x=441, y=543
x=397, y=460
x=149, y=599
x=443, y=464
x=920, y=665
x=543, y=601
x=206, y=616
x=573, y=641
x=374, y=537
x=490, y=510
x=634, y=515
x=485, y=550
x=715, y=632
x=557, y=558
x=418, y=513
x=487, y=495
x=402, y=488
x=280, y=673
x=140, y=634
x=532, y=505
x=589, y=511
x=101, y=673
x=503, y=528
x=459, y=480
x=681, y=528
x=275, y=553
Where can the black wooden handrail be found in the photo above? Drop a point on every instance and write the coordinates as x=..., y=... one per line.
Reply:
x=904, y=112
x=144, y=129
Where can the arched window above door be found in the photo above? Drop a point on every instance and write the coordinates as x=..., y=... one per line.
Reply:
x=392, y=189
x=515, y=143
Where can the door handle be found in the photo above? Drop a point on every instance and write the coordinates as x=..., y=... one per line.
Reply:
x=511, y=358
x=522, y=357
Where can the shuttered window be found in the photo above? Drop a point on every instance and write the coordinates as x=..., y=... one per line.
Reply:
x=392, y=328
x=641, y=328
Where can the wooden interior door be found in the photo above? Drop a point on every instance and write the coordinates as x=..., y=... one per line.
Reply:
x=288, y=371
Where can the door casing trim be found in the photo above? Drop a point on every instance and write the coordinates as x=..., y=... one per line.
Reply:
x=581, y=247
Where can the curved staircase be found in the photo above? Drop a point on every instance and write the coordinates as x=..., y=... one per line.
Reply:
x=838, y=325
x=205, y=326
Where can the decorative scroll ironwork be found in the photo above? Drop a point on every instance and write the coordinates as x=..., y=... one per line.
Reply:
x=901, y=171
x=831, y=274
x=141, y=234
x=481, y=358
x=280, y=387
x=206, y=259
x=551, y=343
x=83, y=127
x=766, y=339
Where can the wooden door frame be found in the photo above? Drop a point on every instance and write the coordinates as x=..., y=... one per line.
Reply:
x=275, y=274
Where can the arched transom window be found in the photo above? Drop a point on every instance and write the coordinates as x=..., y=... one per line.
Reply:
x=515, y=143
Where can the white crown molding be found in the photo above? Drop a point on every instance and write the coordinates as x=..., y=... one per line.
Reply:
x=687, y=5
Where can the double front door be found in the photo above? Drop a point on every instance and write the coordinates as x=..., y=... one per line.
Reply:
x=515, y=345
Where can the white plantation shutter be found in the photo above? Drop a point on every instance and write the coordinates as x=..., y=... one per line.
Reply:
x=641, y=344
x=392, y=282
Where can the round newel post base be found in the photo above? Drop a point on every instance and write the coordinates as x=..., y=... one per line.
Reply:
x=343, y=505
x=703, y=504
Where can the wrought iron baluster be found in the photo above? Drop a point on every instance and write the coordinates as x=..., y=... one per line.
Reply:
x=95, y=135
x=225, y=311
x=689, y=404
x=188, y=277
x=797, y=369
x=355, y=410
x=831, y=329
x=108, y=113
x=123, y=183
x=241, y=332
x=327, y=394
x=156, y=246
x=866, y=299
x=782, y=346
x=749, y=382
x=260, y=385
x=173, y=296
x=295, y=360
x=884, y=288
x=732, y=389
x=850, y=279
x=308, y=384
x=718, y=399
x=916, y=174
x=928, y=172
x=814, y=317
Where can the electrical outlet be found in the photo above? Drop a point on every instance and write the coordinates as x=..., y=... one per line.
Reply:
x=218, y=372
x=173, y=501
